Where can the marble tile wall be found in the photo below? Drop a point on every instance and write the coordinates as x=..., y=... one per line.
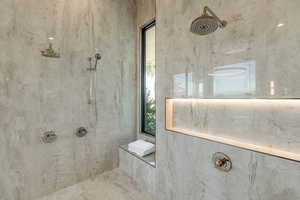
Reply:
x=38, y=94
x=270, y=124
x=145, y=11
x=260, y=38
x=253, y=36
x=261, y=34
x=143, y=173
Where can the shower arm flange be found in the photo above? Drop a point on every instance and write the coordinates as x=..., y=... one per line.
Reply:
x=223, y=23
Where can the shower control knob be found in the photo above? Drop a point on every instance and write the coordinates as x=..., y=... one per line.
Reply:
x=49, y=137
x=222, y=162
x=81, y=132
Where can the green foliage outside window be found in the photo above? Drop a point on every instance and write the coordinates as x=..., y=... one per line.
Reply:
x=150, y=114
x=150, y=105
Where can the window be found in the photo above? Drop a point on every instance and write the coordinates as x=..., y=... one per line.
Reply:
x=148, y=105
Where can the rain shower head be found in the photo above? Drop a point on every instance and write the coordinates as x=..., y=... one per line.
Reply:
x=206, y=24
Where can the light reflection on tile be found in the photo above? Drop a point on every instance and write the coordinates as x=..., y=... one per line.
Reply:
x=269, y=124
x=234, y=80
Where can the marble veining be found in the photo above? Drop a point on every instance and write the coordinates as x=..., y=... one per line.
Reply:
x=268, y=126
x=113, y=185
x=143, y=173
x=184, y=60
x=38, y=94
x=254, y=56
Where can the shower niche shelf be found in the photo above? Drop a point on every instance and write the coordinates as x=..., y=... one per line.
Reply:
x=268, y=126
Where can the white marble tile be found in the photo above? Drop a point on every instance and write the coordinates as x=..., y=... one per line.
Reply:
x=114, y=185
x=38, y=94
x=184, y=60
x=143, y=173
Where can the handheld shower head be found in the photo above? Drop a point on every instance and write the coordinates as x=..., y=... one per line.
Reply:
x=90, y=59
x=206, y=24
x=97, y=56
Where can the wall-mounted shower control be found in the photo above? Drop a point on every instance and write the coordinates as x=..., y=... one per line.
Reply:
x=49, y=137
x=222, y=162
x=81, y=132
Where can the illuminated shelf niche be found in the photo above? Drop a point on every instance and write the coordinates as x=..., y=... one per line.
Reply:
x=238, y=141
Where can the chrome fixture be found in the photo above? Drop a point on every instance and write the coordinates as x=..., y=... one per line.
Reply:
x=49, y=137
x=49, y=52
x=222, y=162
x=90, y=59
x=81, y=132
x=206, y=24
x=93, y=77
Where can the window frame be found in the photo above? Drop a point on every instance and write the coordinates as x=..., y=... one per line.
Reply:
x=144, y=29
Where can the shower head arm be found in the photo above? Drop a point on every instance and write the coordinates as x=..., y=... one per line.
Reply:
x=223, y=23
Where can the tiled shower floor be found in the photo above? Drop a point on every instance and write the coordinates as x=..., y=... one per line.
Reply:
x=114, y=185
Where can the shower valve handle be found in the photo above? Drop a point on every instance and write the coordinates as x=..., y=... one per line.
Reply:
x=222, y=162
x=49, y=137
